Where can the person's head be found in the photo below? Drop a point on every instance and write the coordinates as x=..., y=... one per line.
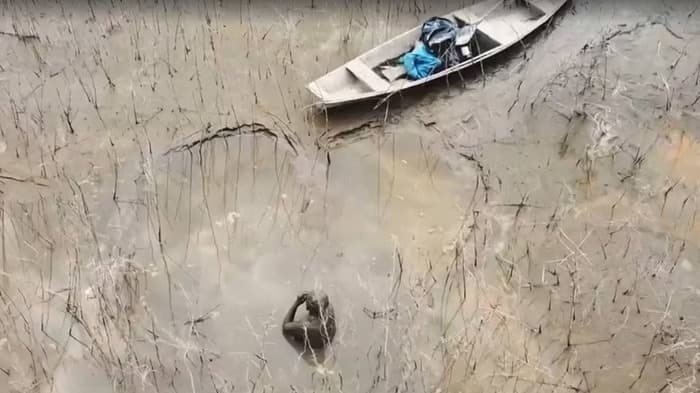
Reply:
x=316, y=303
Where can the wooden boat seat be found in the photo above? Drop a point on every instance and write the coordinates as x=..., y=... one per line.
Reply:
x=465, y=16
x=510, y=27
x=365, y=74
x=499, y=31
x=543, y=6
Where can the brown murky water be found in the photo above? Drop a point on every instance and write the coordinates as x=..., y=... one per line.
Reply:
x=529, y=228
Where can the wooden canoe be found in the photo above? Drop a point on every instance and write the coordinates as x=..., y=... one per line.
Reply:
x=500, y=24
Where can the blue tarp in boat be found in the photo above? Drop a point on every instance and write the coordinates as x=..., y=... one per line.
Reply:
x=420, y=62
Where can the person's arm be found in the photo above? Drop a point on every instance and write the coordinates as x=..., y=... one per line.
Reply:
x=291, y=327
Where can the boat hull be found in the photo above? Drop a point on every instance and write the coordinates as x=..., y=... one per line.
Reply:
x=498, y=28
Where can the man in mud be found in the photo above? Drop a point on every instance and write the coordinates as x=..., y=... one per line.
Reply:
x=317, y=329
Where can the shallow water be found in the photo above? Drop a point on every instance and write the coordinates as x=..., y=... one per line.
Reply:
x=465, y=246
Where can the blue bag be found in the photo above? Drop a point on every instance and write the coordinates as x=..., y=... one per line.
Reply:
x=420, y=63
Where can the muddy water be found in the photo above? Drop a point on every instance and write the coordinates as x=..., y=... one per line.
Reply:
x=465, y=246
